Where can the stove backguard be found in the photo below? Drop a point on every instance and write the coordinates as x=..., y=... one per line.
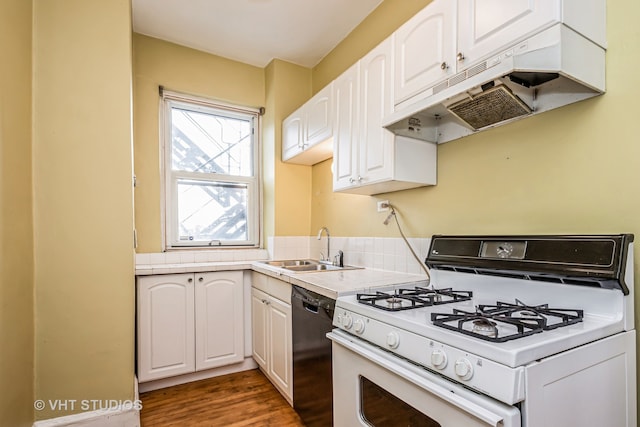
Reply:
x=586, y=260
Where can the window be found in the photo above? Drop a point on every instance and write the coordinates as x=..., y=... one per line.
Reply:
x=212, y=176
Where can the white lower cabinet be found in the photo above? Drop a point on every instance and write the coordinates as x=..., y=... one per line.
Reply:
x=188, y=322
x=272, y=335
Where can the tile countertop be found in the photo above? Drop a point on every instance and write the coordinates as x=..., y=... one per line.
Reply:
x=335, y=283
x=328, y=283
x=191, y=267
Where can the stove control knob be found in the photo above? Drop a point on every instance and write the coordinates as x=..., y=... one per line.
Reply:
x=393, y=339
x=463, y=369
x=358, y=326
x=347, y=321
x=439, y=359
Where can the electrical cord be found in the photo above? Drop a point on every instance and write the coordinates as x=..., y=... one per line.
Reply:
x=386, y=222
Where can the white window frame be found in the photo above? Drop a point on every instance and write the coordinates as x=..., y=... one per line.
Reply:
x=170, y=179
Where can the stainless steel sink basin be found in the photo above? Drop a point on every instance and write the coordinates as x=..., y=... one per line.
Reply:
x=316, y=267
x=292, y=263
x=306, y=265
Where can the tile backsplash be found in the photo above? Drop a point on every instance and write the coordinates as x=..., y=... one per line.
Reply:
x=383, y=253
x=191, y=256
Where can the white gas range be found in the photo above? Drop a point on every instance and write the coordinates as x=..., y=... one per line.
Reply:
x=531, y=331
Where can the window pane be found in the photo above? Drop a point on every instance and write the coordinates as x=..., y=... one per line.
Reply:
x=210, y=143
x=209, y=211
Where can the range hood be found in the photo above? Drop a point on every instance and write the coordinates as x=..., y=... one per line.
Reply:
x=554, y=68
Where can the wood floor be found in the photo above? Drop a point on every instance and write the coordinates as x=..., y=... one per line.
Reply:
x=242, y=399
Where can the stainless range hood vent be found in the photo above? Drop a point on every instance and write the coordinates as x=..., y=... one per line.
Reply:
x=489, y=107
x=555, y=67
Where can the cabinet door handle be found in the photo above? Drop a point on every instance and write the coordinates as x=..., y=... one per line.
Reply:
x=359, y=178
x=444, y=66
x=460, y=57
x=190, y=280
x=351, y=180
x=200, y=279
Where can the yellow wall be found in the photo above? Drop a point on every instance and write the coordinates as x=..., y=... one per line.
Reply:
x=287, y=188
x=571, y=170
x=16, y=228
x=83, y=201
x=291, y=86
x=281, y=87
x=180, y=69
x=383, y=21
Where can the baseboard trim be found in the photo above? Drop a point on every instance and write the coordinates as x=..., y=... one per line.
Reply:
x=247, y=364
x=128, y=415
x=100, y=418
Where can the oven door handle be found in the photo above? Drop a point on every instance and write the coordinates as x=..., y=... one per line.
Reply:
x=413, y=374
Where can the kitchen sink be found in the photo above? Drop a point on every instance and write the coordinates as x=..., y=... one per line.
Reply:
x=316, y=267
x=306, y=265
x=292, y=263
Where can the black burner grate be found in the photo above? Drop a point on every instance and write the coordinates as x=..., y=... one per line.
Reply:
x=505, y=321
x=410, y=298
x=554, y=317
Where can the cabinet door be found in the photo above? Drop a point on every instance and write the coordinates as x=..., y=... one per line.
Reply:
x=318, y=117
x=292, y=143
x=486, y=26
x=345, y=129
x=424, y=49
x=165, y=326
x=376, y=102
x=219, y=319
x=259, y=327
x=280, y=362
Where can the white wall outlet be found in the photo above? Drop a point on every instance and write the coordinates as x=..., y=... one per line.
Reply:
x=383, y=205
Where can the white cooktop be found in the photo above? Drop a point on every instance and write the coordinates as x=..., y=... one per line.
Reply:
x=604, y=313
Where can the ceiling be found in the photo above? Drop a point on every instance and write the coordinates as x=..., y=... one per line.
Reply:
x=253, y=31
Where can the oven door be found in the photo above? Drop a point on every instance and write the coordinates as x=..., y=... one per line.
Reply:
x=372, y=387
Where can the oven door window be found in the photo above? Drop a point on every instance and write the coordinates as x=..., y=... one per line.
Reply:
x=381, y=408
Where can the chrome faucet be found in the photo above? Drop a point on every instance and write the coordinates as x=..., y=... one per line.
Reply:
x=322, y=258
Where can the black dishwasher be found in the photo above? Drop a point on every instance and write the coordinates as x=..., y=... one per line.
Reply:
x=312, y=385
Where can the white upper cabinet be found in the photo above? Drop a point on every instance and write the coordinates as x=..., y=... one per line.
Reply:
x=486, y=26
x=368, y=159
x=425, y=49
x=292, y=142
x=448, y=36
x=345, y=134
x=318, y=117
x=306, y=133
x=375, y=147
